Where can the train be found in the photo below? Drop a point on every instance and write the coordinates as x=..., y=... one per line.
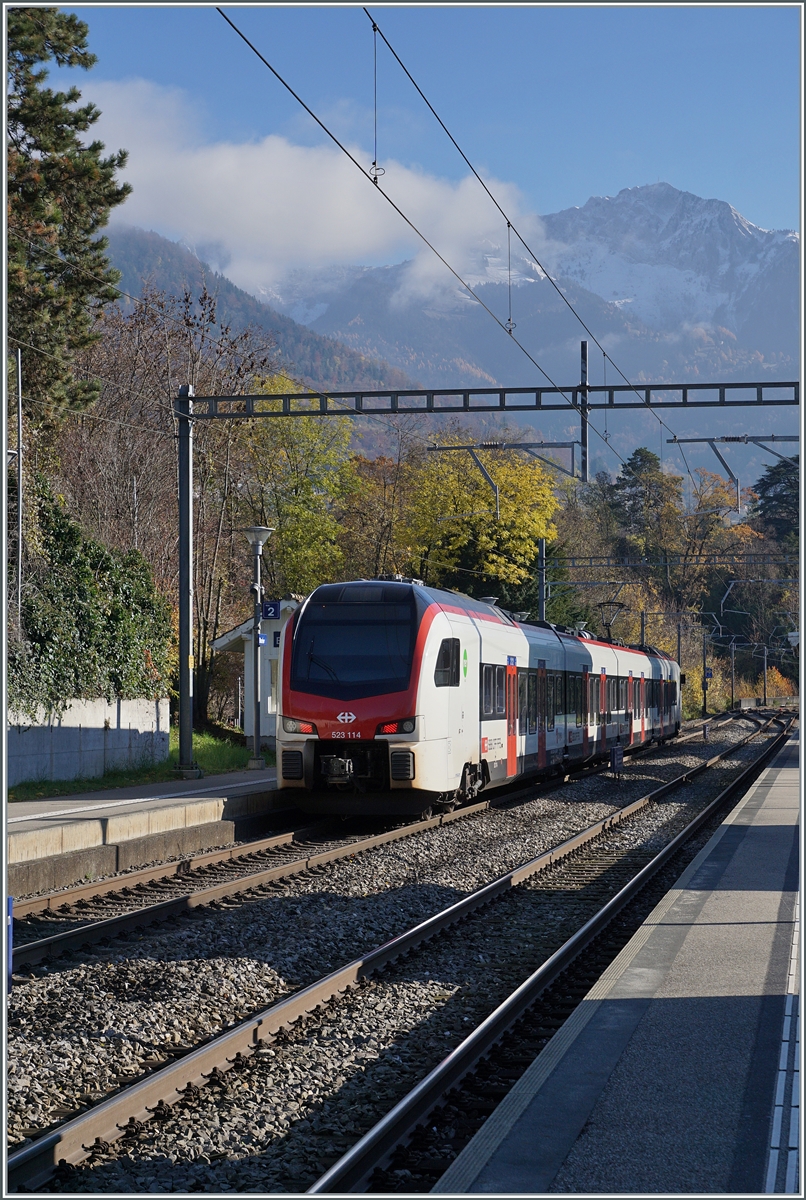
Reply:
x=402, y=699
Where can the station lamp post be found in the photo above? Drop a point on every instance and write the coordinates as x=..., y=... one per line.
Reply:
x=257, y=536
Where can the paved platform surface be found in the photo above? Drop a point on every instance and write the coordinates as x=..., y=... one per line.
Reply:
x=228, y=784
x=58, y=841
x=678, y=1073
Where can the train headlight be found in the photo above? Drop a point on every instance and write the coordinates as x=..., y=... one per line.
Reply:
x=292, y=725
x=387, y=727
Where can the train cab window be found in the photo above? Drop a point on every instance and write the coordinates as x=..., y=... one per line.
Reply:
x=487, y=691
x=446, y=673
x=523, y=702
x=533, y=702
x=500, y=691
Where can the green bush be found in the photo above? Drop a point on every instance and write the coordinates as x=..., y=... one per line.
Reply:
x=94, y=623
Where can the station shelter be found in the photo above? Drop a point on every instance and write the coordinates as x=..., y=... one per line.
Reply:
x=239, y=641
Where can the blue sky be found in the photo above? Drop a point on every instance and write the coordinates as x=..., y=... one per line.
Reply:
x=564, y=102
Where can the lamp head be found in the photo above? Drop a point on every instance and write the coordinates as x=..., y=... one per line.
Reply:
x=257, y=535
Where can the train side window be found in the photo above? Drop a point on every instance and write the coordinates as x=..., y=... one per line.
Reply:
x=487, y=692
x=593, y=699
x=533, y=702
x=523, y=701
x=446, y=673
x=500, y=690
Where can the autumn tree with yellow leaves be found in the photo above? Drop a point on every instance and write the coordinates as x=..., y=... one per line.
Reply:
x=451, y=534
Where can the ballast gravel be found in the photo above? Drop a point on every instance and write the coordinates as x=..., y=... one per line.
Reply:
x=78, y=1032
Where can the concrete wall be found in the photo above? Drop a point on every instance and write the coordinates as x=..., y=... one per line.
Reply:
x=89, y=738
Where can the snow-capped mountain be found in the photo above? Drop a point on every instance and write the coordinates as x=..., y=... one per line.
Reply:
x=675, y=286
x=672, y=257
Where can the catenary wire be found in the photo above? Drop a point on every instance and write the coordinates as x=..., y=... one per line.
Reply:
x=520, y=237
x=644, y=483
x=392, y=203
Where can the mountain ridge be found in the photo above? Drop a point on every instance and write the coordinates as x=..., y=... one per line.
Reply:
x=319, y=361
x=682, y=287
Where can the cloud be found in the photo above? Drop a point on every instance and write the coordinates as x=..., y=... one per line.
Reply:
x=264, y=207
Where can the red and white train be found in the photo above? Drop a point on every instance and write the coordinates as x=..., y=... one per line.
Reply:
x=398, y=698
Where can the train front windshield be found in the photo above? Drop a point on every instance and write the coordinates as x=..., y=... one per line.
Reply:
x=355, y=640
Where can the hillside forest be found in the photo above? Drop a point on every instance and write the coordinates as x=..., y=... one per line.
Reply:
x=346, y=498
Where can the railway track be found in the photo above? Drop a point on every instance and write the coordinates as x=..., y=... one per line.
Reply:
x=411, y=1147
x=222, y=875
x=90, y=1134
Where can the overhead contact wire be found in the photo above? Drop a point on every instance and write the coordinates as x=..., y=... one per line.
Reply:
x=390, y=201
x=368, y=175
x=523, y=241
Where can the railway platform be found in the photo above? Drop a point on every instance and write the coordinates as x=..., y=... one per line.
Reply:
x=678, y=1072
x=56, y=842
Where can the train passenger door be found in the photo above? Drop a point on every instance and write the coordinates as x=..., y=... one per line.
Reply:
x=512, y=716
x=603, y=707
x=542, y=707
x=642, y=698
x=631, y=706
x=585, y=713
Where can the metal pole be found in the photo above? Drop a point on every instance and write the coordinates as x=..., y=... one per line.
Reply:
x=704, y=680
x=184, y=411
x=240, y=724
x=679, y=644
x=541, y=579
x=19, y=494
x=732, y=675
x=583, y=410
x=765, y=676
x=643, y=627
x=256, y=762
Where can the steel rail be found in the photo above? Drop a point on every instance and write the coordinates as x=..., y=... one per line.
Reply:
x=51, y=901
x=32, y=1165
x=351, y=1173
x=30, y=953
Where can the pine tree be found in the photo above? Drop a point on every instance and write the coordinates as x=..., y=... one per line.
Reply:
x=777, y=506
x=60, y=193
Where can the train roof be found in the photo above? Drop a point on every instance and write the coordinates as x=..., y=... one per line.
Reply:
x=451, y=599
x=469, y=604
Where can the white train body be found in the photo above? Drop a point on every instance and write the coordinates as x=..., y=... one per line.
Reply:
x=396, y=697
